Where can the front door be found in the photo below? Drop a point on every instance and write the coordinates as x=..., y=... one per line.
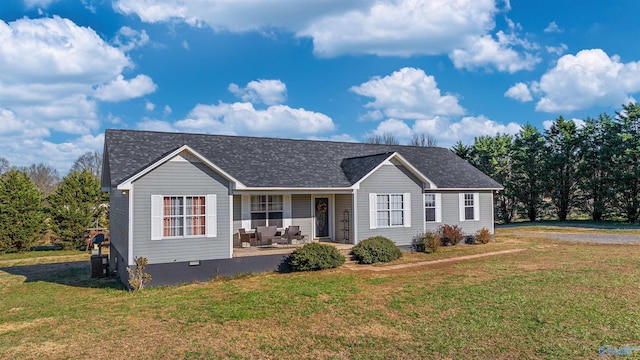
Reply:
x=322, y=217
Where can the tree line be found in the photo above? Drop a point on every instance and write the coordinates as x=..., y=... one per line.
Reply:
x=565, y=171
x=34, y=200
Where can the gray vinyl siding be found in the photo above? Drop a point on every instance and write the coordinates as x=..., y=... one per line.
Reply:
x=390, y=179
x=342, y=203
x=301, y=213
x=180, y=178
x=119, y=224
x=451, y=212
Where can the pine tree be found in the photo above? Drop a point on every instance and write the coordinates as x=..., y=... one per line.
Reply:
x=527, y=158
x=561, y=165
x=22, y=219
x=75, y=205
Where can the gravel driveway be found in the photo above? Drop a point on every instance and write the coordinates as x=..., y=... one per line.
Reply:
x=595, y=238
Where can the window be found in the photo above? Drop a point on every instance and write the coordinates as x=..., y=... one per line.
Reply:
x=266, y=210
x=433, y=212
x=183, y=216
x=469, y=206
x=389, y=210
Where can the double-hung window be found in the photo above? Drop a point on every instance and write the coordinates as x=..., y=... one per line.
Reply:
x=432, y=207
x=183, y=216
x=266, y=210
x=469, y=206
x=389, y=210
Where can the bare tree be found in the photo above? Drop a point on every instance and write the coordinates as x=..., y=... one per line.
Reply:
x=91, y=161
x=4, y=166
x=386, y=138
x=423, y=140
x=44, y=177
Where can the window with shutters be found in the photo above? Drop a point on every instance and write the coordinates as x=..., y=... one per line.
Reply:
x=177, y=216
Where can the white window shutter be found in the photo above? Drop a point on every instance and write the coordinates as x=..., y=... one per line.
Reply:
x=438, y=207
x=476, y=206
x=373, y=210
x=461, y=206
x=212, y=218
x=246, y=212
x=286, y=207
x=406, y=204
x=156, y=217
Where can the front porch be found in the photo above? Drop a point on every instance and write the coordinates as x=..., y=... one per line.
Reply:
x=282, y=249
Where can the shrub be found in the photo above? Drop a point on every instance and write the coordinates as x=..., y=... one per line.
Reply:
x=137, y=277
x=450, y=235
x=315, y=256
x=428, y=242
x=483, y=236
x=376, y=249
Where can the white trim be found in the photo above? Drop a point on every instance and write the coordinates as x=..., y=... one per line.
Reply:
x=291, y=191
x=130, y=261
x=438, y=207
x=330, y=216
x=211, y=216
x=156, y=217
x=128, y=183
x=406, y=206
x=230, y=226
x=354, y=222
x=476, y=206
x=373, y=211
x=468, y=190
x=405, y=163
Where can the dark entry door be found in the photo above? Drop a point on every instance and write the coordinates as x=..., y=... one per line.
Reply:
x=322, y=217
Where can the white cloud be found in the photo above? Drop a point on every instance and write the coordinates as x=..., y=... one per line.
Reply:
x=155, y=125
x=167, y=110
x=587, y=79
x=557, y=50
x=50, y=70
x=445, y=131
x=42, y=3
x=338, y=138
x=553, y=28
x=486, y=52
x=128, y=39
x=244, y=119
x=120, y=89
x=338, y=27
x=407, y=93
x=520, y=92
x=268, y=92
x=149, y=106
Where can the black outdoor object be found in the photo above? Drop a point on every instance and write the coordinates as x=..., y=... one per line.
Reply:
x=98, y=239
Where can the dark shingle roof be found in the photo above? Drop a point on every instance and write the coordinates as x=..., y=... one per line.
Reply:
x=270, y=162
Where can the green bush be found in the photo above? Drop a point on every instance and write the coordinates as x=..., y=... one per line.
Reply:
x=376, y=249
x=428, y=242
x=483, y=236
x=315, y=256
x=450, y=235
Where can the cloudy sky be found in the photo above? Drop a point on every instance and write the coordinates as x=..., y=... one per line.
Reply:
x=315, y=69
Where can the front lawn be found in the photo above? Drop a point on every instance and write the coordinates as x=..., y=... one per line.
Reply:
x=553, y=300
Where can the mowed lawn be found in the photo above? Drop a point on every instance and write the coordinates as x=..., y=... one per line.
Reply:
x=552, y=300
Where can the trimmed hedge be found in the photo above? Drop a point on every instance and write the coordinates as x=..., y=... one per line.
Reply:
x=376, y=249
x=315, y=256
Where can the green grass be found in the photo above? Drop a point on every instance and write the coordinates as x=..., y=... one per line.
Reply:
x=554, y=300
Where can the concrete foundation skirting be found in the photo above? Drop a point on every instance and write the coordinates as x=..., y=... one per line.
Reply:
x=205, y=270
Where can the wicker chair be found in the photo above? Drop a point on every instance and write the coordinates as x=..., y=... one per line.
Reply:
x=265, y=234
x=247, y=237
x=293, y=232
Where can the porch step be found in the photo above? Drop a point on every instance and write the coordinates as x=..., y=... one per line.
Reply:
x=348, y=257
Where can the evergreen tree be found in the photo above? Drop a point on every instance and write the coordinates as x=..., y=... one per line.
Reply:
x=527, y=157
x=22, y=220
x=627, y=161
x=560, y=165
x=75, y=206
x=595, y=169
x=461, y=150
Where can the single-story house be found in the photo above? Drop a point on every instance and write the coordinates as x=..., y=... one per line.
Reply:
x=180, y=199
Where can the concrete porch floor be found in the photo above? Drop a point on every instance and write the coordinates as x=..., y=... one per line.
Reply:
x=280, y=249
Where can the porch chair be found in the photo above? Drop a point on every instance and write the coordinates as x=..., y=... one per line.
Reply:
x=293, y=232
x=247, y=237
x=265, y=234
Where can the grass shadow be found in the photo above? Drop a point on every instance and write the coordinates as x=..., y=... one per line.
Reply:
x=71, y=273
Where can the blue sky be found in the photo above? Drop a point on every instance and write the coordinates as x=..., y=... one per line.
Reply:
x=316, y=69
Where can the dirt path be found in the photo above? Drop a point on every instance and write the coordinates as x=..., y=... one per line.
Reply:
x=432, y=262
